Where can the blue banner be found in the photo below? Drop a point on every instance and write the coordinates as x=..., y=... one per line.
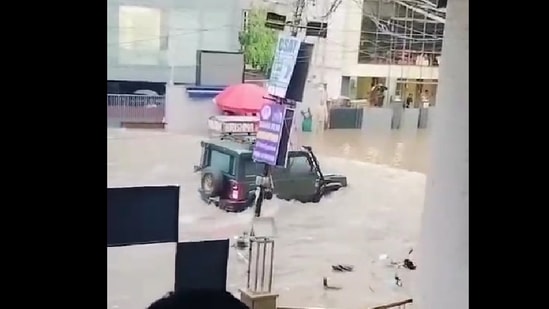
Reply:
x=269, y=133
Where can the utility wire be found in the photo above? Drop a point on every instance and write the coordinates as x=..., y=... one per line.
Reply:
x=333, y=7
x=189, y=32
x=380, y=45
x=380, y=24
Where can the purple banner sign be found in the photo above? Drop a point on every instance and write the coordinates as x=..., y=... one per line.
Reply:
x=269, y=133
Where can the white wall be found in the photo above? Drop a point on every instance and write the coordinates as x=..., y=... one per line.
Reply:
x=189, y=25
x=442, y=278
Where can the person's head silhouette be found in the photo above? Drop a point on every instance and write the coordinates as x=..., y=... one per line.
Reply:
x=198, y=299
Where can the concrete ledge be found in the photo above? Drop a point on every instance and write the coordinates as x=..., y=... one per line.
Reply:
x=286, y=307
x=142, y=125
x=258, y=300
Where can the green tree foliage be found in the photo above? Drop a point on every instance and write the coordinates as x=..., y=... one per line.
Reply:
x=258, y=42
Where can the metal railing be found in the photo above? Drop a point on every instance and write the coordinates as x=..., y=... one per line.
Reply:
x=259, y=82
x=135, y=108
x=397, y=305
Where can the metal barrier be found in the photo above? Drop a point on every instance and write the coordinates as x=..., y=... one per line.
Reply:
x=132, y=108
x=345, y=117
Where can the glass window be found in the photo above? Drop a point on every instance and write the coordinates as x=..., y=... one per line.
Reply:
x=299, y=165
x=139, y=35
x=402, y=34
x=252, y=168
x=222, y=162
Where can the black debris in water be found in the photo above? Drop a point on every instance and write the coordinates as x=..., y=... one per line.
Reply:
x=409, y=264
x=342, y=268
x=328, y=287
x=398, y=282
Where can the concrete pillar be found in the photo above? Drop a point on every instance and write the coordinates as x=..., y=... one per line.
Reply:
x=258, y=301
x=443, y=250
x=391, y=84
x=175, y=113
x=398, y=110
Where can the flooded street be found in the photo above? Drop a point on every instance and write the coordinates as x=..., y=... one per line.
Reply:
x=395, y=149
x=378, y=213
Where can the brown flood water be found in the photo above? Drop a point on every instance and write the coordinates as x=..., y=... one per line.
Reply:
x=379, y=213
x=396, y=149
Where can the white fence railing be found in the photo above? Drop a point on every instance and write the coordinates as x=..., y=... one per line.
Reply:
x=135, y=108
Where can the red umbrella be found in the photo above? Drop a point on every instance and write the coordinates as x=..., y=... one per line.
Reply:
x=241, y=99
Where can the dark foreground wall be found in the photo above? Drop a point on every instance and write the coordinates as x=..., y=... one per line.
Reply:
x=142, y=221
x=142, y=215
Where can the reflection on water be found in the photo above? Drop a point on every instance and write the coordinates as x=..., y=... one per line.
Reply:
x=378, y=213
x=393, y=148
x=403, y=150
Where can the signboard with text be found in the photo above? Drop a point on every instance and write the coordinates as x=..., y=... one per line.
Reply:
x=233, y=124
x=272, y=135
x=285, y=58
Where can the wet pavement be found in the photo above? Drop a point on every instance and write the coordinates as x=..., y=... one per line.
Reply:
x=378, y=213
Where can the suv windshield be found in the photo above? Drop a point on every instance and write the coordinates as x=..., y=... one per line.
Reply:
x=299, y=164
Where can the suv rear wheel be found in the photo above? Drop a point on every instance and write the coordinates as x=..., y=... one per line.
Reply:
x=211, y=182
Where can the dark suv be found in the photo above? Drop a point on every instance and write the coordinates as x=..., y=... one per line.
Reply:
x=228, y=176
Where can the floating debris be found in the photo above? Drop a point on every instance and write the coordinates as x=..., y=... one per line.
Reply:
x=406, y=263
x=409, y=264
x=328, y=287
x=242, y=241
x=398, y=281
x=342, y=268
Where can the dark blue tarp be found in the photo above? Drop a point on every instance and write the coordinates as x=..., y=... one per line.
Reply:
x=201, y=265
x=142, y=215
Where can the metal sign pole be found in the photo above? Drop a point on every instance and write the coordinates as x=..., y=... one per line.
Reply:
x=262, y=189
x=279, y=100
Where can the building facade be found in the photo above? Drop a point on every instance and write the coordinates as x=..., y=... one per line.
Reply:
x=371, y=42
x=157, y=40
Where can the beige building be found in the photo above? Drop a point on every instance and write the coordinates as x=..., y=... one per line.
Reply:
x=395, y=43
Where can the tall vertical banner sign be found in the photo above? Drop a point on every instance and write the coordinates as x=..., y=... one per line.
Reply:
x=285, y=58
x=271, y=145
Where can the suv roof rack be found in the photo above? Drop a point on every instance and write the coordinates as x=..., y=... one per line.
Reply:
x=241, y=129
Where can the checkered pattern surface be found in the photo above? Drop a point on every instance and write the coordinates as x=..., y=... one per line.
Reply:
x=145, y=259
